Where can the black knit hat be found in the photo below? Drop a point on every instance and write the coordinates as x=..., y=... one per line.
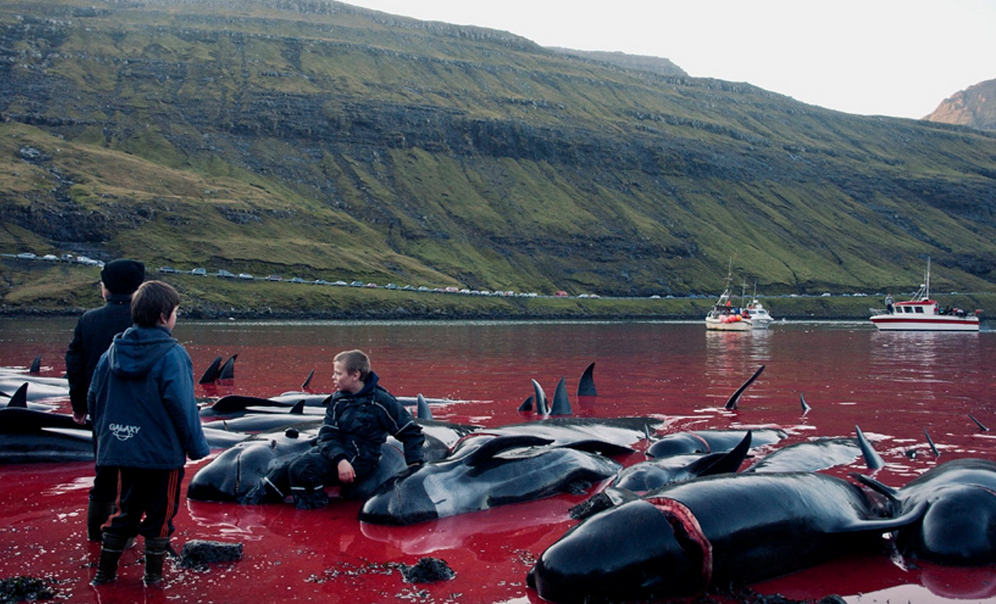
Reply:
x=122, y=276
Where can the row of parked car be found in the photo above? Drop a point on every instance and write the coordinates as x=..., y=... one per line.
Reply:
x=63, y=258
x=230, y=275
x=393, y=286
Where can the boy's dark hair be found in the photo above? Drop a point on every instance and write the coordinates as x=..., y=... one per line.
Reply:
x=354, y=360
x=152, y=300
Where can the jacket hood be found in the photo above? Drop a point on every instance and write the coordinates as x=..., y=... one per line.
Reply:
x=369, y=385
x=134, y=352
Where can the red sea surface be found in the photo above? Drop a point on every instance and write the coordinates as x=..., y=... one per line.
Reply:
x=893, y=385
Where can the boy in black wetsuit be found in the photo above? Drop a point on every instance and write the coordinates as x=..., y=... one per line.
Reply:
x=359, y=418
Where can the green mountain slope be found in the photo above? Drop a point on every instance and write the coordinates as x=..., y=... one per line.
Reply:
x=317, y=139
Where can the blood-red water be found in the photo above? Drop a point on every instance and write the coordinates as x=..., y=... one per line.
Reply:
x=894, y=386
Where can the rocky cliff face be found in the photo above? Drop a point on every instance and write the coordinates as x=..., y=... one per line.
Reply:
x=974, y=107
x=344, y=139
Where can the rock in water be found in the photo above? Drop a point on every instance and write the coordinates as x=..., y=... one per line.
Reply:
x=198, y=553
x=428, y=570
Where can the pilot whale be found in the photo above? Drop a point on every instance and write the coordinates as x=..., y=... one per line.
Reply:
x=485, y=472
x=959, y=525
x=720, y=530
x=700, y=442
x=238, y=470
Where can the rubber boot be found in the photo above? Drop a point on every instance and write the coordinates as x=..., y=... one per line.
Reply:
x=309, y=499
x=155, y=555
x=97, y=513
x=110, y=553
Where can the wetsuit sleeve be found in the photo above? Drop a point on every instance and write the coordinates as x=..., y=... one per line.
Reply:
x=330, y=436
x=76, y=371
x=177, y=391
x=404, y=428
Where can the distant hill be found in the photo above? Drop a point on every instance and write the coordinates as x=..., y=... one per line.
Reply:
x=656, y=65
x=315, y=139
x=974, y=107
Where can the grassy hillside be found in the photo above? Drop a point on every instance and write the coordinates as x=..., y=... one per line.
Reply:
x=324, y=141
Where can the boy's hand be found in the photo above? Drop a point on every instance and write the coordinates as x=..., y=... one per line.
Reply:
x=346, y=473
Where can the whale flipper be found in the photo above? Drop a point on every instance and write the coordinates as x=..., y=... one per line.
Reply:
x=732, y=403
x=503, y=443
x=307, y=382
x=561, y=404
x=930, y=442
x=540, y=398
x=211, y=373
x=805, y=406
x=978, y=423
x=586, y=387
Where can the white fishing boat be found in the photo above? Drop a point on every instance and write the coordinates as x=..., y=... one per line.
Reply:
x=726, y=317
x=760, y=318
x=921, y=313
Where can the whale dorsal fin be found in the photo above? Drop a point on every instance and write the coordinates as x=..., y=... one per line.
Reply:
x=228, y=371
x=561, y=404
x=422, y=409
x=722, y=463
x=503, y=443
x=872, y=459
x=19, y=400
x=211, y=373
x=586, y=387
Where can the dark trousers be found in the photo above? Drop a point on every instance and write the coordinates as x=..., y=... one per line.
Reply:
x=313, y=471
x=105, y=485
x=148, y=502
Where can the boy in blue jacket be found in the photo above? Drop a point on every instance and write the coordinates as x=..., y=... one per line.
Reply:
x=141, y=401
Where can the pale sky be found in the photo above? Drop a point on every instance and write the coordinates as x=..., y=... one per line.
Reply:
x=872, y=57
